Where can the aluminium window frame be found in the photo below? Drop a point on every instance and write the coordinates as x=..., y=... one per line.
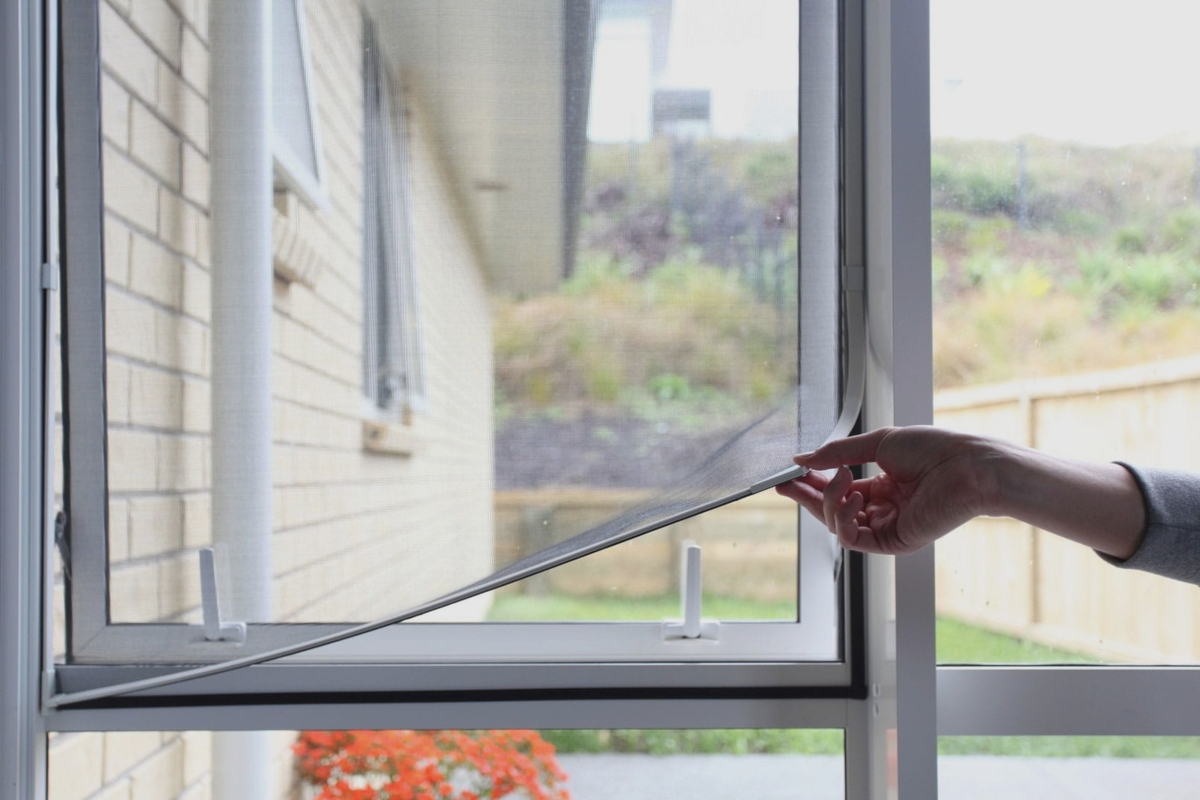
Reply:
x=26, y=308
x=889, y=593
x=290, y=168
x=768, y=654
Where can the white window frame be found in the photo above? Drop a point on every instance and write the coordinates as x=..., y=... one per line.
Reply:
x=794, y=655
x=905, y=693
x=389, y=261
x=290, y=167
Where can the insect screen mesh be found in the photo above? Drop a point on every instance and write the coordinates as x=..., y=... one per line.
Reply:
x=576, y=279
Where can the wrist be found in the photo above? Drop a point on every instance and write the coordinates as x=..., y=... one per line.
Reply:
x=997, y=475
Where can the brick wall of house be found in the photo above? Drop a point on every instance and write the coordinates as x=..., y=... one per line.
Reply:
x=369, y=514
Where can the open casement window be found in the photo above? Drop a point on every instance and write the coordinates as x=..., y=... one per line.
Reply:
x=296, y=138
x=393, y=380
x=634, y=312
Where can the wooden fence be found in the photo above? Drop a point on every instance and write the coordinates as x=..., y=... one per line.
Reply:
x=1001, y=574
x=996, y=573
x=750, y=547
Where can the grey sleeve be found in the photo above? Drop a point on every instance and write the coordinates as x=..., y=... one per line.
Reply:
x=1171, y=547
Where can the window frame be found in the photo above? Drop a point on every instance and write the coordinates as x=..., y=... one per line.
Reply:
x=866, y=721
x=1166, y=697
x=767, y=653
x=288, y=165
x=392, y=270
x=27, y=36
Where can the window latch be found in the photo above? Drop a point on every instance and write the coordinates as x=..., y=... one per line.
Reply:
x=692, y=627
x=49, y=276
x=215, y=629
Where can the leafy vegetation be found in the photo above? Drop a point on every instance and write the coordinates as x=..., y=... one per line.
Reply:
x=676, y=742
x=1080, y=259
x=1049, y=258
x=609, y=340
x=682, y=301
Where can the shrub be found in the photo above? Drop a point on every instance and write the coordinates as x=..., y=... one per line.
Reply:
x=1154, y=280
x=989, y=234
x=1130, y=240
x=429, y=765
x=1079, y=222
x=683, y=333
x=1148, y=280
x=950, y=228
x=984, y=269
x=983, y=189
x=1181, y=231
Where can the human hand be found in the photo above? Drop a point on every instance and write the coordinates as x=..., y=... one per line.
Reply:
x=933, y=480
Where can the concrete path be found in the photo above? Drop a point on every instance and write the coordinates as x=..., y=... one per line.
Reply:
x=984, y=777
x=703, y=777
x=762, y=777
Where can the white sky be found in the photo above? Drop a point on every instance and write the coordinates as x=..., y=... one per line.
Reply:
x=744, y=51
x=1097, y=71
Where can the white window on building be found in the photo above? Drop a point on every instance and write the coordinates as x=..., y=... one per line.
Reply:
x=393, y=379
x=299, y=165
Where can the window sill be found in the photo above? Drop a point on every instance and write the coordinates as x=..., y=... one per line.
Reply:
x=390, y=437
x=297, y=249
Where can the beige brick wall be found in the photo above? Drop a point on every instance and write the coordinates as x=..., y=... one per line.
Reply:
x=357, y=532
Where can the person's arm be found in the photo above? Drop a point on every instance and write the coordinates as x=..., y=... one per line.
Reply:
x=934, y=480
x=1095, y=504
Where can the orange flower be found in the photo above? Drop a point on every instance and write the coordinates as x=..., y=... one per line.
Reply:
x=419, y=765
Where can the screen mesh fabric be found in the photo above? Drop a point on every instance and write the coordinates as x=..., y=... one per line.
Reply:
x=652, y=322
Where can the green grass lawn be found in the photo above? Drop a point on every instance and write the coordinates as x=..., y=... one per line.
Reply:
x=957, y=643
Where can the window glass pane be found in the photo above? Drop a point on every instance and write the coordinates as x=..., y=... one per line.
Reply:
x=557, y=287
x=749, y=558
x=540, y=765
x=291, y=114
x=1065, y=307
x=1095, y=767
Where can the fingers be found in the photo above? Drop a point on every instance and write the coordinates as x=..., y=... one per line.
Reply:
x=804, y=494
x=846, y=520
x=810, y=493
x=835, y=491
x=852, y=450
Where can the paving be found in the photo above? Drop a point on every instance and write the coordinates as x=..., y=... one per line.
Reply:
x=790, y=777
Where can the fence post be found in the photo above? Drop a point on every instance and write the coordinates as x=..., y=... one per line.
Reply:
x=1027, y=408
x=537, y=534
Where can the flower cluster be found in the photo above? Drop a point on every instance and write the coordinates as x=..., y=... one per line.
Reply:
x=429, y=765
